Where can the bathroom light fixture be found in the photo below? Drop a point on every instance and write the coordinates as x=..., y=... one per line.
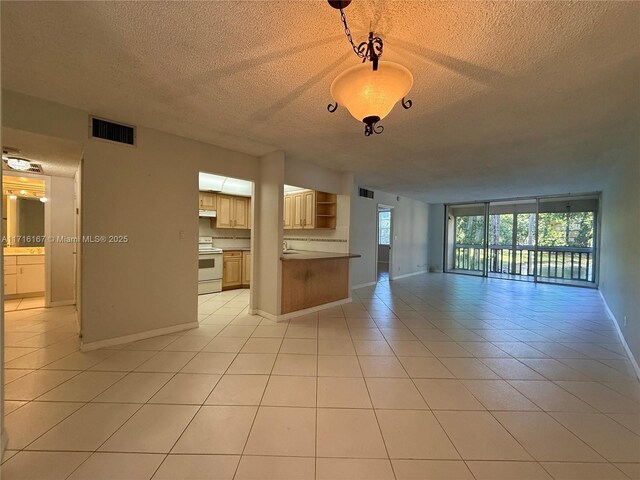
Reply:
x=13, y=196
x=369, y=92
x=17, y=163
x=44, y=199
x=22, y=192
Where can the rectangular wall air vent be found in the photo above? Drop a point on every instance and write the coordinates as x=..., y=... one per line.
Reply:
x=114, y=132
x=366, y=193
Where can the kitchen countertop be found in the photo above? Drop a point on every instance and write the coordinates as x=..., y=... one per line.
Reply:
x=235, y=249
x=307, y=255
x=22, y=253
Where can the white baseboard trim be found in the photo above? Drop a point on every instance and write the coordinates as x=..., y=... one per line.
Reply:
x=62, y=303
x=268, y=316
x=409, y=275
x=362, y=285
x=632, y=359
x=87, y=347
x=299, y=313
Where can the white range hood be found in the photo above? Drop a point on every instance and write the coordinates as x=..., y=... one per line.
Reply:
x=207, y=213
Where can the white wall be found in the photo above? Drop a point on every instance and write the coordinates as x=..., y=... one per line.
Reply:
x=619, y=257
x=299, y=174
x=410, y=229
x=267, y=233
x=61, y=255
x=436, y=237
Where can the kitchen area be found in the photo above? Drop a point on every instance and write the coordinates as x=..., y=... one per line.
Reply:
x=224, y=233
x=315, y=257
x=315, y=254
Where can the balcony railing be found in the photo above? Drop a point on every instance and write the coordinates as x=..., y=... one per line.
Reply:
x=569, y=263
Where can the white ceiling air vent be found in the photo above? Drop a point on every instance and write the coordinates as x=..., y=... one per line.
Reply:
x=112, y=131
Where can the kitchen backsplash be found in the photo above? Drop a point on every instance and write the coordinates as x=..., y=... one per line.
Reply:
x=224, y=237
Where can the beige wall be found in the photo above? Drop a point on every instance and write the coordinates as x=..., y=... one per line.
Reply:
x=267, y=236
x=410, y=229
x=619, y=278
x=61, y=255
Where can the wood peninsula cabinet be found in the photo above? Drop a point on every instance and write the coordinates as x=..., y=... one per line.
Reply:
x=233, y=212
x=309, y=209
x=236, y=269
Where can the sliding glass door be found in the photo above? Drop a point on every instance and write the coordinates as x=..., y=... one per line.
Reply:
x=512, y=239
x=545, y=239
x=567, y=239
x=466, y=242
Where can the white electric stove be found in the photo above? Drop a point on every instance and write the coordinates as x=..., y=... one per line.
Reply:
x=209, y=266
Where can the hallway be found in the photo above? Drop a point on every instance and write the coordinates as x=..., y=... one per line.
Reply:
x=433, y=376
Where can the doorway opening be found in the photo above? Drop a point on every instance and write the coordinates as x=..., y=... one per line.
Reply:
x=224, y=247
x=384, y=244
x=40, y=221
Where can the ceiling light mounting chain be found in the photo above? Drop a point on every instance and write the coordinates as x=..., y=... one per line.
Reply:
x=369, y=94
x=371, y=49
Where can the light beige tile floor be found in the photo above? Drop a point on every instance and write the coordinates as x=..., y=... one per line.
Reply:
x=433, y=377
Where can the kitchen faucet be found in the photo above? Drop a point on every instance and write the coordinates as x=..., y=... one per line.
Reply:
x=285, y=247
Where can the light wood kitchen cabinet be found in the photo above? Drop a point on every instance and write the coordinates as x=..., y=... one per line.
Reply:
x=208, y=201
x=309, y=209
x=231, y=269
x=288, y=219
x=232, y=212
x=246, y=269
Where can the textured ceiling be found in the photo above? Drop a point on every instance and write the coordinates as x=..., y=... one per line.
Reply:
x=510, y=98
x=56, y=156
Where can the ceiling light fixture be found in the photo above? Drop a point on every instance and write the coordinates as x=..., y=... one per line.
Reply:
x=17, y=163
x=369, y=93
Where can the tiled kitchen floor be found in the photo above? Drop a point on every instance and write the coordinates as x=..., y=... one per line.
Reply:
x=431, y=377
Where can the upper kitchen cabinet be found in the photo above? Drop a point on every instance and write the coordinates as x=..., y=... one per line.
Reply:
x=208, y=201
x=233, y=212
x=309, y=209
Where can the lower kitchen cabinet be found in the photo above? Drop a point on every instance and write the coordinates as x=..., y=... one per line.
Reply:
x=236, y=270
x=231, y=269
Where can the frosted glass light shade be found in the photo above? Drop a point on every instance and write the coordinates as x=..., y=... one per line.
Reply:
x=371, y=93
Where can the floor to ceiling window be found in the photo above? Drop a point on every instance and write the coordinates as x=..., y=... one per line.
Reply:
x=542, y=239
